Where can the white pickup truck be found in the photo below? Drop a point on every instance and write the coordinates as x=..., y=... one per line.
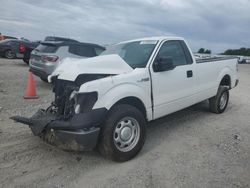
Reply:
x=106, y=101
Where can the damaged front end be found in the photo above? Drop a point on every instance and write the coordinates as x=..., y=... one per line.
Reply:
x=70, y=122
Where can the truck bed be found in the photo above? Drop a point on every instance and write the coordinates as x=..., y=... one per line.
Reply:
x=209, y=59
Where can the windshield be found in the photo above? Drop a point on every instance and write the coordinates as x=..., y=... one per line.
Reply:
x=135, y=54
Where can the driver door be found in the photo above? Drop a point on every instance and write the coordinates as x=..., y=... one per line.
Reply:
x=173, y=89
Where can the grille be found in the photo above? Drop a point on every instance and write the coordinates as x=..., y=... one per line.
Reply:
x=62, y=90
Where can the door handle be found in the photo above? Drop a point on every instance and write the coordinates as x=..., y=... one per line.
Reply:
x=189, y=73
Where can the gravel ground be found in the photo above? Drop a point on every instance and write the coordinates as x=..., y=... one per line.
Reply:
x=190, y=148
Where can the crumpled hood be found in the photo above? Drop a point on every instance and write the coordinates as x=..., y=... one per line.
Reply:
x=70, y=68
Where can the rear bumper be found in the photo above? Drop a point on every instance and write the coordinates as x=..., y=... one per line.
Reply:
x=40, y=73
x=80, y=133
x=42, y=70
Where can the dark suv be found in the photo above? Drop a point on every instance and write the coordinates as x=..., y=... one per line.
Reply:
x=46, y=57
x=15, y=48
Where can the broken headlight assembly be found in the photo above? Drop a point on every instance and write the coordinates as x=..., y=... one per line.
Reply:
x=82, y=102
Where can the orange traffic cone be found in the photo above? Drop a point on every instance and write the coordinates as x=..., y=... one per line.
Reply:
x=30, y=92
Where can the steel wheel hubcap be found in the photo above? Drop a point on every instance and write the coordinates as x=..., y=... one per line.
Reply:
x=126, y=134
x=223, y=100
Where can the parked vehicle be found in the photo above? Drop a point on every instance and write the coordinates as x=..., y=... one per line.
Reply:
x=46, y=57
x=107, y=100
x=14, y=48
x=243, y=59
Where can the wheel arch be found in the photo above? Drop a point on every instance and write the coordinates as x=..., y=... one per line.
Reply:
x=226, y=81
x=225, y=78
x=127, y=94
x=133, y=101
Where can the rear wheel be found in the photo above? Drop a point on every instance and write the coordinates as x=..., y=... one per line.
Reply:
x=123, y=134
x=218, y=103
x=26, y=61
x=9, y=54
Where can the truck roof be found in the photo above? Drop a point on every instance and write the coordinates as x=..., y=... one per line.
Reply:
x=159, y=38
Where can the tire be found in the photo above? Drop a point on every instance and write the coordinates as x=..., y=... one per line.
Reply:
x=44, y=79
x=218, y=103
x=26, y=61
x=124, y=123
x=9, y=54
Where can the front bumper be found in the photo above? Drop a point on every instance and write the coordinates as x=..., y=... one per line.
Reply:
x=79, y=133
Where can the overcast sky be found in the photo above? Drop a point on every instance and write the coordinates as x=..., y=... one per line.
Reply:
x=214, y=24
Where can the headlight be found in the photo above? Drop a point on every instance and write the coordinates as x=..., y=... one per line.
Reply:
x=84, y=102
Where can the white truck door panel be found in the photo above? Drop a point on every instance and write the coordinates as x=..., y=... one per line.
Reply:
x=173, y=89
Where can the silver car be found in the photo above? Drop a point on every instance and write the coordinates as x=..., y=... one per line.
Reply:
x=45, y=58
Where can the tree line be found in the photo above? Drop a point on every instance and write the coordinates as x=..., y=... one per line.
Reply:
x=240, y=51
x=204, y=51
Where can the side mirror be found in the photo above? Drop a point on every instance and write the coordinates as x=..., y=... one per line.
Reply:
x=163, y=64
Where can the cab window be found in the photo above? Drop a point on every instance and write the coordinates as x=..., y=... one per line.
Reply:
x=174, y=51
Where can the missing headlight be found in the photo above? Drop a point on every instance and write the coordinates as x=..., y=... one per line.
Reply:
x=85, y=101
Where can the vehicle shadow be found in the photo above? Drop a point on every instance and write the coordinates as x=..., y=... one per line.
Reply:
x=13, y=62
x=21, y=64
x=158, y=129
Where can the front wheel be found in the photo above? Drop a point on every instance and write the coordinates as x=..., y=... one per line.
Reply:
x=218, y=103
x=123, y=134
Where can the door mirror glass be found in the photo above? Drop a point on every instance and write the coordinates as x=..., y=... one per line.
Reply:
x=163, y=64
